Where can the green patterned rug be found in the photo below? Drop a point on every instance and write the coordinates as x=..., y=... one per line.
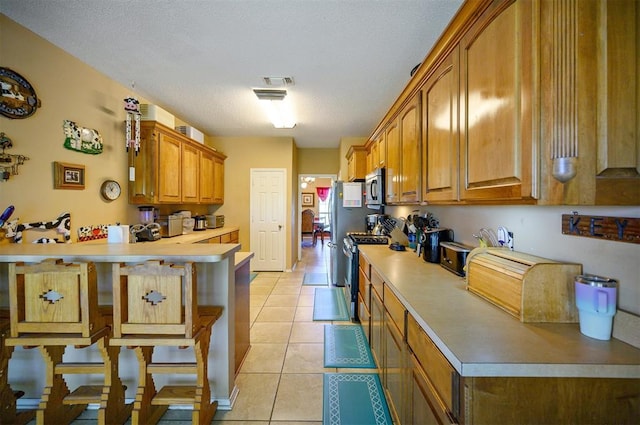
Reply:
x=354, y=399
x=329, y=304
x=346, y=346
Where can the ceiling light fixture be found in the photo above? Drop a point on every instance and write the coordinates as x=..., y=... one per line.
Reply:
x=277, y=108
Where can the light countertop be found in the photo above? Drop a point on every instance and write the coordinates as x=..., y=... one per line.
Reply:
x=479, y=339
x=105, y=252
x=197, y=236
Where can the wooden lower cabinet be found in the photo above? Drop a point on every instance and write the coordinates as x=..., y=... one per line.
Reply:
x=394, y=370
x=424, y=405
x=442, y=378
x=242, y=315
x=364, y=315
x=375, y=338
x=509, y=400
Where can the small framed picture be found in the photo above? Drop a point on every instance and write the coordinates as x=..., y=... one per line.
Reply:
x=68, y=176
x=308, y=199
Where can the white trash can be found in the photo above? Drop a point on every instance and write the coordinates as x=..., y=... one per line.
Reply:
x=596, y=301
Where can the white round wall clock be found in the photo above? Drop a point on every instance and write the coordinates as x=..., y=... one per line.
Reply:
x=110, y=190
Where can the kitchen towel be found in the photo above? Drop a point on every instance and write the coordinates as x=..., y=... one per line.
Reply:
x=329, y=304
x=354, y=398
x=346, y=346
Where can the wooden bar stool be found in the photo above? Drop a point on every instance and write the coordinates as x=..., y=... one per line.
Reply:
x=156, y=305
x=9, y=413
x=54, y=305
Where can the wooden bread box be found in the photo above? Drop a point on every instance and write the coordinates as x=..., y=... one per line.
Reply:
x=533, y=289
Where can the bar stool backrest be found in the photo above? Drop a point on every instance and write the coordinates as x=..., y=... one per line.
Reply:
x=53, y=297
x=154, y=298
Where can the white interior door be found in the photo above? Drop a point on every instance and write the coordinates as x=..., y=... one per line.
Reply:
x=268, y=219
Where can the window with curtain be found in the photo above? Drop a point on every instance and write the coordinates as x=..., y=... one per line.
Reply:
x=323, y=204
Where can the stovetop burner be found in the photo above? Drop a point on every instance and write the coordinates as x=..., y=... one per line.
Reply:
x=368, y=239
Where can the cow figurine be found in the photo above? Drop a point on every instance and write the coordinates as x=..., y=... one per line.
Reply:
x=62, y=224
x=81, y=139
x=131, y=104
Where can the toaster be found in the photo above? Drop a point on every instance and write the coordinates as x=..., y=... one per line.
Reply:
x=215, y=221
x=170, y=225
x=453, y=256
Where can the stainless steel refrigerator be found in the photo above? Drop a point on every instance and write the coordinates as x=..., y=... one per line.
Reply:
x=346, y=216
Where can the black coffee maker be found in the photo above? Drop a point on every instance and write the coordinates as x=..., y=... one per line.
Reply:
x=370, y=222
x=431, y=239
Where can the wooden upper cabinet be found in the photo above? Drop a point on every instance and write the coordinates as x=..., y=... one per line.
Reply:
x=143, y=168
x=440, y=141
x=392, y=166
x=373, y=154
x=497, y=104
x=356, y=163
x=410, y=123
x=207, y=176
x=218, y=180
x=169, y=168
x=190, y=188
x=173, y=169
x=382, y=150
x=591, y=120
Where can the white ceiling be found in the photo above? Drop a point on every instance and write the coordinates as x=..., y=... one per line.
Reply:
x=200, y=59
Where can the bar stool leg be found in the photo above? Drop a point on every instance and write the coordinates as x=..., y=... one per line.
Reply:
x=113, y=409
x=203, y=408
x=51, y=409
x=8, y=411
x=144, y=412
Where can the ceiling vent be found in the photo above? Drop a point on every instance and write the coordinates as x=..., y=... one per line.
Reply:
x=278, y=81
x=270, y=94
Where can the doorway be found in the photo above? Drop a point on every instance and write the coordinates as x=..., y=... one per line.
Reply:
x=310, y=201
x=267, y=218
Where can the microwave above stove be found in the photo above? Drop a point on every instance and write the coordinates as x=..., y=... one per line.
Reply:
x=374, y=188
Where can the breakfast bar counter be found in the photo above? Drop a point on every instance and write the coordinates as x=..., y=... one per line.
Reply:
x=215, y=265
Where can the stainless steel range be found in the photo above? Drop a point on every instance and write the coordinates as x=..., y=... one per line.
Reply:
x=350, y=250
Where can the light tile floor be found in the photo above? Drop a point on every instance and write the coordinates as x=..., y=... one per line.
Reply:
x=280, y=381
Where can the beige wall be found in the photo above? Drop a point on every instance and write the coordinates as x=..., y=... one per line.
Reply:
x=538, y=231
x=243, y=154
x=71, y=90
x=318, y=161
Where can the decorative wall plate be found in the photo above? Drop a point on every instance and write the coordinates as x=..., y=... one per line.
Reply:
x=18, y=98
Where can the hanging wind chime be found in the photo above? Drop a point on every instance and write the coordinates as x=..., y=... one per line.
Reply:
x=132, y=108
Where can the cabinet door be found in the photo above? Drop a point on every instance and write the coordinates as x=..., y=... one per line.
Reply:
x=440, y=374
x=591, y=120
x=218, y=181
x=394, y=368
x=497, y=104
x=375, y=339
x=426, y=408
x=207, y=177
x=410, y=143
x=440, y=142
x=143, y=167
x=392, y=182
x=382, y=150
x=190, y=173
x=375, y=155
x=169, y=169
